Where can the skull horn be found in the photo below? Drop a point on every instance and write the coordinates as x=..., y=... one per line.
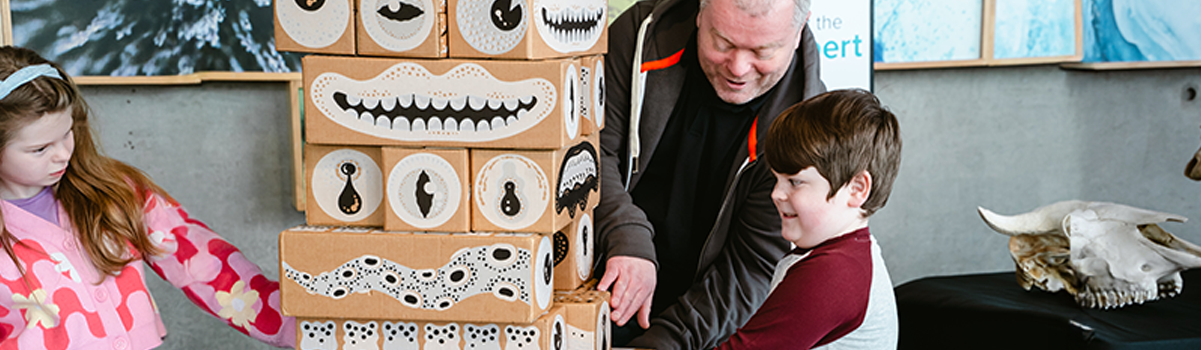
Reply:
x=1044, y=219
x=1049, y=218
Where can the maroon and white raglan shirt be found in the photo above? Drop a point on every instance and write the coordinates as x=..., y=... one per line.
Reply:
x=836, y=295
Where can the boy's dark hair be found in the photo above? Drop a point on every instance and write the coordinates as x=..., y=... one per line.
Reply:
x=840, y=133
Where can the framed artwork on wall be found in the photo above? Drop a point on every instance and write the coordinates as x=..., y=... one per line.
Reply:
x=956, y=33
x=1128, y=34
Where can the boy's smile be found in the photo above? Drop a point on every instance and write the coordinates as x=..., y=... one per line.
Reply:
x=808, y=217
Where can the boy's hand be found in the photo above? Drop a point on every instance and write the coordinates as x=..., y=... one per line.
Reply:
x=633, y=282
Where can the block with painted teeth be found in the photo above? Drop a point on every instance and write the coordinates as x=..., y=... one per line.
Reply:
x=321, y=26
x=416, y=276
x=402, y=28
x=454, y=103
x=571, y=26
x=528, y=29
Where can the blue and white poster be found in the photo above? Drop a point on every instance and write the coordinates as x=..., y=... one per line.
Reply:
x=1141, y=30
x=843, y=31
x=927, y=30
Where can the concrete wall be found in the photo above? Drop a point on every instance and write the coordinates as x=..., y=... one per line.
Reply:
x=223, y=150
x=1009, y=139
x=1013, y=139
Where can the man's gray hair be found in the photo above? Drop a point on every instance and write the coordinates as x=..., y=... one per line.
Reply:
x=759, y=7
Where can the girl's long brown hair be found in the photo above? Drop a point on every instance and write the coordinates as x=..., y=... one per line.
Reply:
x=103, y=197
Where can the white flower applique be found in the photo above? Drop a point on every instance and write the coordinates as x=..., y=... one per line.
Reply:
x=37, y=309
x=236, y=304
x=64, y=266
x=165, y=241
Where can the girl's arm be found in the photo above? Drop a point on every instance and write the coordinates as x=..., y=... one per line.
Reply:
x=215, y=275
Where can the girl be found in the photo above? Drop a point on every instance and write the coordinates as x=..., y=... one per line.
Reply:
x=77, y=226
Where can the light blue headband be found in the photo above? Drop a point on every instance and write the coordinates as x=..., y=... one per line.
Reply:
x=25, y=75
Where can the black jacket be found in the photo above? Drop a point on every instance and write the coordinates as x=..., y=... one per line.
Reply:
x=743, y=247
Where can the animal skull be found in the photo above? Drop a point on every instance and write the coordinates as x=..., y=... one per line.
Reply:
x=1105, y=255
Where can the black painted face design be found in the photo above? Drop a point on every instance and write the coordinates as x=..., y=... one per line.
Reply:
x=424, y=190
x=313, y=23
x=492, y=27
x=398, y=25
x=344, y=185
x=511, y=191
x=577, y=178
x=570, y=25
x=408, y=103
x=310, y=5
x=598, y=94
x=583, y=246
x=506, y=16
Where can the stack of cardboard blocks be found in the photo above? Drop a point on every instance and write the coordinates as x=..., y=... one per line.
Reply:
x=452, y=169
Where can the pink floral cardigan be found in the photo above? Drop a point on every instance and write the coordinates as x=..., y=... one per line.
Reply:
x=59, y=305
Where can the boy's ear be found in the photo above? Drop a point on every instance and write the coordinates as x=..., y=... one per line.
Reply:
x=859, y=189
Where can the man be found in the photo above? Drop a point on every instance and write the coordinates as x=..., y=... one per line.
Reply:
x=686, y=223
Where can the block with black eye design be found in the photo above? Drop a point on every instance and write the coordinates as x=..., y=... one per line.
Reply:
x=344, y=186
x=486, y=337
x=317, y=26
x=402, y=28
x=539, y=191
x=576, y=267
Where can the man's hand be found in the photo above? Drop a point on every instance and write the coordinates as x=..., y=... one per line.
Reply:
x=633, y=282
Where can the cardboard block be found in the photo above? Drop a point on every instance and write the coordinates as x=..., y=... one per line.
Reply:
x=409, y=28
x=592, y=78
x=533, y=190
x=345, y=186
x=547, y=332
x=427, y=189
x=574, y=252
x=442, y=103
x=528, y=29
x=587, y=314
x=439, y=277
x=318, y=26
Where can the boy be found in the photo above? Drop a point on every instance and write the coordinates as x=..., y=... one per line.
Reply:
x=834, y=157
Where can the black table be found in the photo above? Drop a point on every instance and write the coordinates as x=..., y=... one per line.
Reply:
x=991, y=311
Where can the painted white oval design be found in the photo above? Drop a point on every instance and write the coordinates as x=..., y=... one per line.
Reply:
x=544, y=264
x=603, y=335
x=570, y=25
x=424, y=190
x=511, y=191
x=313, y=28
x=492, y=26
x=583, y=246
x=398, y=25
x=329, y=180
x=598, y=94
x=571, y=102
x=406, y=102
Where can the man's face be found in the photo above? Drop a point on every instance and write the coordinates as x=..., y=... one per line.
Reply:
x=745, y=55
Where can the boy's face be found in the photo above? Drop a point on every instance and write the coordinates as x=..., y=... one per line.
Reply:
x=807, y=217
